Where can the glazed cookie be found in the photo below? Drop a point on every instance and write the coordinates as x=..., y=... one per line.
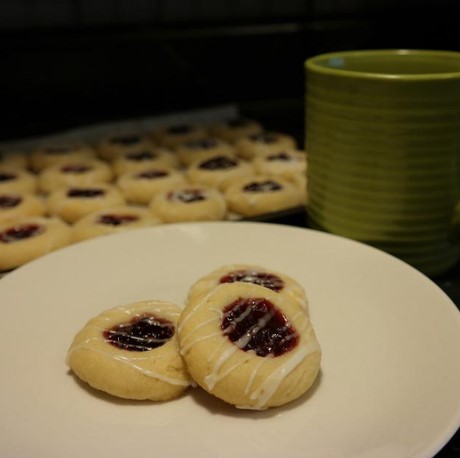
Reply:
x=203, y=148
x=217, y=171
x=14, y=205
x=257, y=195
x=249, y=346
x=81, y=172
x=131, y=352
x=73, y=203
x=263, y=143
x=142, y=186
x=14, y=179
x=27, y=238
x=285, y=163
x=111, y=146
x=113, y=220
x=14, y=159
x=57, y=152
x=189, y=203
x=234, y=129
x=276, y=281
x=137, y=160
x=177, y=134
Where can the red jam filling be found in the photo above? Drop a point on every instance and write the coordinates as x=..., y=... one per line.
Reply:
x=20, y=232
x=187, y=195
x=262, y=186
x=140, y=156
x=256, y=324
x=281, y=156
x=75, y=168
x=117, y=220
x=264, y=138
x=203, y=143
x=265, y=279
x=5, y=176
x=143, y=333
x=152, y=174
x=219, y=163
x=7, y=201
x=85, y=193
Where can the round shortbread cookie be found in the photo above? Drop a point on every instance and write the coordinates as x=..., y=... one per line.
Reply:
x=69, y=173
x=263, y=143
x=252, y=196
x=249, y=346
x=142, y=186
x=27, y=238
x=285, y=163
x=113, y=220
x=203, y=148
x=138, y=160
x=116, y=143
x=233, y=129
x=56, y=152
x=16, y=204
x=189, y=203
x=13, y=179
x=73, y=203
x=178, y=134
x=232, y=273
x=131, y=352
x=217, y=171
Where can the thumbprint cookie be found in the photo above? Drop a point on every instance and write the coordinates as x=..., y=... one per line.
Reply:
x=174, y=135
x=189, y=203
x=73, y=203
x=15, y=204
x=263, y=143
x=113, y=220
x=252, y=196
x=79, y=172
x=14, y=179
x=30, y=237
x=276, y=281
x=112, y=145
x=234, y=129
x=142, y=186
x=131, y=352
x=249, y=346
x=216, y=171
x=56, y=152
x=137, y=160
x=203, y=148
x=14, y=159
x=285, y=163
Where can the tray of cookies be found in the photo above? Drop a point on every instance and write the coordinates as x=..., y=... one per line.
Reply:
x=207, y=165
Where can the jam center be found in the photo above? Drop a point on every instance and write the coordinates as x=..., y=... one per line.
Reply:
x=266, y=138
x=75, y=168
x=262, y=186
x=140, y=156
x=281, y=156
x=85, y=193
x=9, y=201
x=5, y=176
x=152, y=174
x=187, y=196
x=143, y=333
x=20, y=232
x=219, y=163
x=267, y=280
x=256, y=324
x=204, y=143
x=117, y=220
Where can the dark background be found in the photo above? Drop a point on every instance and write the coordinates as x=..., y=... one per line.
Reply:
x=68, y=63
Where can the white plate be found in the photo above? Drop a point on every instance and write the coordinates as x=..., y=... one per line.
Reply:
x=390, y=378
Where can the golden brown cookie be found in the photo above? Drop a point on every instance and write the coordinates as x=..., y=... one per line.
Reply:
x=203, y=148
x=113, y=220
x=73, y=203
x=138, y=160
x=263, y=143
x=116, y=143
x=13, y=179
x=131, y=352
x=16, y=204
x=252, y=196
x=12, y=158
x=285, y=163
x=76, y=172
x=177, y=134
x=142, y=186
x=27, y=238
x=249, y=346
x=189, y=203
x=233, y=129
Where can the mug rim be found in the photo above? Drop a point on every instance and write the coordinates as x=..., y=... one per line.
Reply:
x=312, y=64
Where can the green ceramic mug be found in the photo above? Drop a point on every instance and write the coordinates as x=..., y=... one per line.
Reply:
x=383, y=145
